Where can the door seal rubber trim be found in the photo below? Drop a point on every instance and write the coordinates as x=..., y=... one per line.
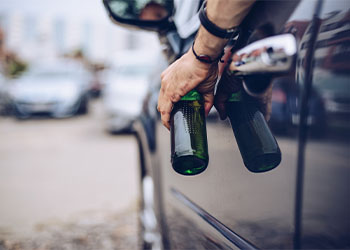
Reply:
x=221, y=228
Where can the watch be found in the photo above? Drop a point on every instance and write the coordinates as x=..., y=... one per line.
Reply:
x=205, y=58
x=213, y=28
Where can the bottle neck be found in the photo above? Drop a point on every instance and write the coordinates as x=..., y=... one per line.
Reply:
x=193, y=95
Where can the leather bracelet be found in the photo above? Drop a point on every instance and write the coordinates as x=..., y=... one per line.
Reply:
x=205, y=58
x=214, y=29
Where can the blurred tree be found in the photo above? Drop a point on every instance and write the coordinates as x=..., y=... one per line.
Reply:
x=80, y=56
x=10, y=64
x=13, y=66
x=95, y=68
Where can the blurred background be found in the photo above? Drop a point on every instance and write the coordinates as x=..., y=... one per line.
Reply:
x=68, y=162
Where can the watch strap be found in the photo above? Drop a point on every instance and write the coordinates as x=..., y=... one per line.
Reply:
x=213, y=28
x=205, y=58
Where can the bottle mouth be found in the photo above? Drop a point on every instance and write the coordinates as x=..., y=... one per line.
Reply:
x=189, y=165
x=263, y=163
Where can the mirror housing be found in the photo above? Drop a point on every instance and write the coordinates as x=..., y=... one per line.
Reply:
x=148, y=14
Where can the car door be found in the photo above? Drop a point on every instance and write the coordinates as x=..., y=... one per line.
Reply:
x=227, y=206
x=325, y=204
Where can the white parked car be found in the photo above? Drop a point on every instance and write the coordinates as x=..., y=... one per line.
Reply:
x=127, y=82
x=4, y=96
x=59, y=89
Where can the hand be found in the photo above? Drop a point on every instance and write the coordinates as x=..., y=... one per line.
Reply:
x=231, y=84
x=181, y=77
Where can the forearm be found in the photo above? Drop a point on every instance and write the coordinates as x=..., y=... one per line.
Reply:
x=228, y=13
x=224, y=14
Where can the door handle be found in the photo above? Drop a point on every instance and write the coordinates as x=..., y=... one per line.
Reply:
x=272, y=55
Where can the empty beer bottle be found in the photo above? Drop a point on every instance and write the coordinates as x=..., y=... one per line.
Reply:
x=189, y=147
x=258, y=146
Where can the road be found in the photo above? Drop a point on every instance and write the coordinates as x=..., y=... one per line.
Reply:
x=61, y=180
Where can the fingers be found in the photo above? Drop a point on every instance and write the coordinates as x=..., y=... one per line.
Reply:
x=164, y=107
x=220, y=102
x=179, y=78
x=170, y=93
x=220, y=105
x=226, y=87
x=208, y=102
x=167, y=97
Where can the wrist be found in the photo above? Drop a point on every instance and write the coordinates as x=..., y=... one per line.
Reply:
x=197, y=63
x=208, y=44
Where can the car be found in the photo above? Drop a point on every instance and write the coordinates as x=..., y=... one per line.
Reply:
x=301, y=204
x=127, y=82
x=56, y=88
x=5, y=106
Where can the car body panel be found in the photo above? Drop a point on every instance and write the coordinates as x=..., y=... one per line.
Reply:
x=326, y=216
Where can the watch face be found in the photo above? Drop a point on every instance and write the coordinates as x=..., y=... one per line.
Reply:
x=205, y=58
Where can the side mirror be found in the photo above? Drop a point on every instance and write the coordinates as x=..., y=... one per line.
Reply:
x=145, y=14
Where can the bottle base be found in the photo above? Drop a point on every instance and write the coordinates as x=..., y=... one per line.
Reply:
x=263, y=163
x=189, y=165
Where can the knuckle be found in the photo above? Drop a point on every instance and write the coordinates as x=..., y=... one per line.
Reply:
x=162, y=75
x=185, y=86
x=163, y=82
x=182, y=91
x=174, y=98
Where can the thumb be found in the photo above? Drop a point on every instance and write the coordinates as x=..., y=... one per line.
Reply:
x=208, y=102
x=220, y=104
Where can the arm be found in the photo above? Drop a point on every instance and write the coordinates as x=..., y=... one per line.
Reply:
x=187, y=72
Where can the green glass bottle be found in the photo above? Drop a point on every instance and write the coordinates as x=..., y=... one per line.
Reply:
x=189, y=146
x=258, y=146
